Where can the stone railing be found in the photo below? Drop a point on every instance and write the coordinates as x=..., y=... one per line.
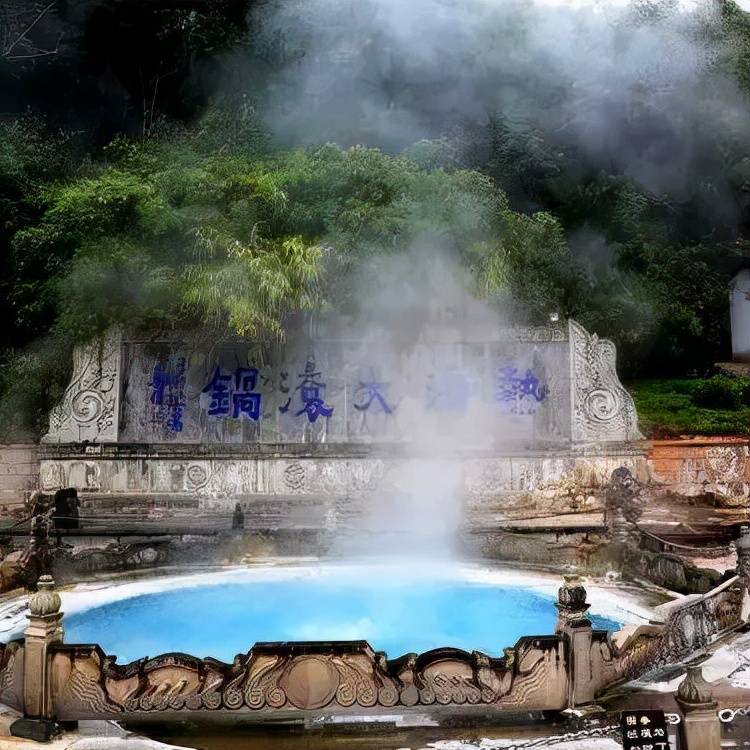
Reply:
x=48, y=680
x=689, y=624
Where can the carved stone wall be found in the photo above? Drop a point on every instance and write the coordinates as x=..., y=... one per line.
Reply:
x=90, y=408
x=719, y=466
x=522, y=387
x=215, y=480
x=602, y=410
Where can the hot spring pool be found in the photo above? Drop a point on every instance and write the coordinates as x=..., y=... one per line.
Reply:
x=396, y=609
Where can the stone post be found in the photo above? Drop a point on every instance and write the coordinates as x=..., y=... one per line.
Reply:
x=573, y=624
x=700, y=728
x=44, y=629
x=742, y=546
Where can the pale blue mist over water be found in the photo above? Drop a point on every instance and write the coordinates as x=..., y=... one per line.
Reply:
x=395, y=616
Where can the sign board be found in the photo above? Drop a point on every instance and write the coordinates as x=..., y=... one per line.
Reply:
x=644, y=730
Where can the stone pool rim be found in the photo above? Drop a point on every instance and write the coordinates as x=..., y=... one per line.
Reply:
x=627, y=602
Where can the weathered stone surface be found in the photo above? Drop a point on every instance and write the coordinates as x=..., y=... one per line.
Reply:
x=90, y=407
x=215, y=475
x=19, y=475
x=334, y=676
x=715, y=466
x=521, y=386
x=602, y=410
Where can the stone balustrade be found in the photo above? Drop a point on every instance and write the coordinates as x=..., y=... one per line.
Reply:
x=48, y=679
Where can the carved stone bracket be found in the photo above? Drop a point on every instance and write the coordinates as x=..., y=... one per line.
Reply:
x=601, y=409
x=89, y=409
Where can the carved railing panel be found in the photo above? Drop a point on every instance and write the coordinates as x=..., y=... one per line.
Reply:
x=11, y=674
x=46, y=678
x=307, y=677
x=688, y=628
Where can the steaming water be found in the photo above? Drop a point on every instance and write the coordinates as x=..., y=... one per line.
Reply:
x=395, y=611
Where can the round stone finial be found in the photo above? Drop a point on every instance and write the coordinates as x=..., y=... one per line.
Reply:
x=45, y=600
x=571, y=602
x=694, y=690
x=572, y=593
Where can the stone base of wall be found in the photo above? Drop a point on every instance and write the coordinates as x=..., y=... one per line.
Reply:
x=719, y=466
x=19, y=475
x=214, y=480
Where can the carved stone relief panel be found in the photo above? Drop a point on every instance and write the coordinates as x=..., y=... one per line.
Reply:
x=90, y=406
x=602, y=410
x=726, y=471
x=308, y=677
x=51, y=476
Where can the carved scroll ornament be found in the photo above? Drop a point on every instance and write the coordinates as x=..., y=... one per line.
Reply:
x=602, y=410
x=89, y=408
x=309, y=676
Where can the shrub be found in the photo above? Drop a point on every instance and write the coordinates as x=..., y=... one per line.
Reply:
x=721, y=392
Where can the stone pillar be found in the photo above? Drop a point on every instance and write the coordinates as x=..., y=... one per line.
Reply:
x=44, y=629
x=700, y=728
x=742, y=547
x=573, y=624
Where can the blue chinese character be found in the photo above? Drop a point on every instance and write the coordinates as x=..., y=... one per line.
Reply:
x=310, y=388
x=168, y=393
x=174, y=422
x=244, y=401
x=159, y=381
x=284, y=388
x=314, y=408
x=514, y=391
x=246, y=378
x=218, y=387
x=370, y=392
x=248, y=404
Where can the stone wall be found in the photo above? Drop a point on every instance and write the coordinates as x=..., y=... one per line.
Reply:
x=719, y=466
x=491, y=416
x=215, y=479
x=479, y=387
x=19, y=474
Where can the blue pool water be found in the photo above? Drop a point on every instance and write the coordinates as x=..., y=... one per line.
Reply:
x=221, y=620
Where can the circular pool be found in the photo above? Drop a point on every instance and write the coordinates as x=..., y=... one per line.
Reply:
x=397, y=608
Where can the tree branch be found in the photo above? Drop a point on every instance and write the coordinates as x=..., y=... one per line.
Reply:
x=22, y=38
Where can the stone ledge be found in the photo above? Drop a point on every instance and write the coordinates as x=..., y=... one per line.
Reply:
x=102, y=451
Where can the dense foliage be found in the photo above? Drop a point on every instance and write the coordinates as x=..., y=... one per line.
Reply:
x=208, y=226
x=169, y=210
